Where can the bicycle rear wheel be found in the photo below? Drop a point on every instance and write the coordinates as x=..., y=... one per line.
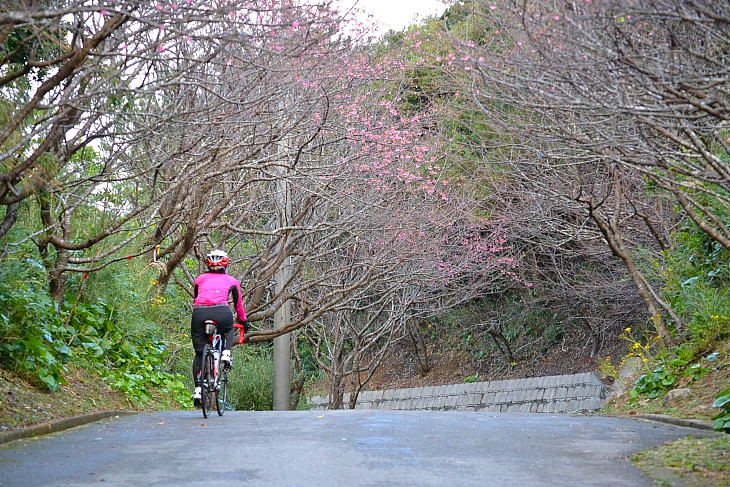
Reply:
x=222, y=395
x=208, y=383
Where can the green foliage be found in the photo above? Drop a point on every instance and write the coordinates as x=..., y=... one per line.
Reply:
x=471, y=20
x=251, y=380
x=697, y=286
x=722, y=420
x=654, y=384
x=471, y=378
x=672, y=366
x=26, y=45
x=676, y=368
x=308, y=370
x=117, y=322
x=137, y=358
x=139, y=370
x=696, y=278
x=133, y=364
x=466, y=328
x=38, y=338
x=32, y=336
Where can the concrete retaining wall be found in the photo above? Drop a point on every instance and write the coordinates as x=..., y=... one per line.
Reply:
x=552, y=394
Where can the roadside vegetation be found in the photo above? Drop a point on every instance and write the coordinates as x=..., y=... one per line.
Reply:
x=697, y=462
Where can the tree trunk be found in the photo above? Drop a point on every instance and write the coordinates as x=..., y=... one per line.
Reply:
x=57, y=276
x=419, y=349
x=595, y=338
x=647, y=294
x=296, y=391
x=11, y=214
x=502, y=344
x=337, y=390
x=353, y=398
x=55, y=265
x=337, y=383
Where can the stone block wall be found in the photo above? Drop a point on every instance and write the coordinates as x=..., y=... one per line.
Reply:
x=552, y=394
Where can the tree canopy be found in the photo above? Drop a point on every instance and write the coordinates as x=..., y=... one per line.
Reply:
x=506, y=156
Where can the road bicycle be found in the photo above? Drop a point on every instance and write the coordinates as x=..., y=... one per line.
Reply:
x=214, y=383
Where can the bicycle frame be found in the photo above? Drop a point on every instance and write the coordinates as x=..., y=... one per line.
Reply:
x=216, y=344
x=214, y=380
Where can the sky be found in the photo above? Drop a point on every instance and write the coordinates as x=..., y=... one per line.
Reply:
x=397, y=14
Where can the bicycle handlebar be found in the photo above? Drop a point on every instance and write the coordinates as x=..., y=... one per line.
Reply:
x=241, y=334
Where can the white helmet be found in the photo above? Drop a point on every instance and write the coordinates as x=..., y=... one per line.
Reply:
x=217, y=258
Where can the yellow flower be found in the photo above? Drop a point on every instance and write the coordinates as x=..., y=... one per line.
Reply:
x=637, y=345
x=628, y=330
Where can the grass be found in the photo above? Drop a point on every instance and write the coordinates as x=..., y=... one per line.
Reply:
x=690, y=461
x=697, y=462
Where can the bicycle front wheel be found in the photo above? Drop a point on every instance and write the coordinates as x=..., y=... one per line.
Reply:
x=208, y=385
x=220, y=403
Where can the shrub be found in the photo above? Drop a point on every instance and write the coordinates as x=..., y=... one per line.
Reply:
x=32, y=334
x=722, y=420
x=37, y=339
x=672, y=365
x=251, y=380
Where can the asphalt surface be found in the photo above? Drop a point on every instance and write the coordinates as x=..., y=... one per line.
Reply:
x=328, y=448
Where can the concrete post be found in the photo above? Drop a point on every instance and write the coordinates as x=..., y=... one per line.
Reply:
x=282, y=316
x=282, y=350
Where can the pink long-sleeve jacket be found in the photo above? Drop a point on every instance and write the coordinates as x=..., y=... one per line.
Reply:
x=212, y=288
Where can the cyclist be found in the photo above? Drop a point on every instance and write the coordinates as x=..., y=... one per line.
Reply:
x=210, y=302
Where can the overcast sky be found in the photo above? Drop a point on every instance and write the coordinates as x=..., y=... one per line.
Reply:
x=397, y=14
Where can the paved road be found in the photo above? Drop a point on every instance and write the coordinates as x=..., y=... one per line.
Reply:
x=333, y=448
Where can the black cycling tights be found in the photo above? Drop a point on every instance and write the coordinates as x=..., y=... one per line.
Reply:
x=221, y=315
x=198, y=360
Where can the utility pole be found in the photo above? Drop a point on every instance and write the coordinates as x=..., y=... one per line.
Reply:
x=282, y=346
x=282, y=316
